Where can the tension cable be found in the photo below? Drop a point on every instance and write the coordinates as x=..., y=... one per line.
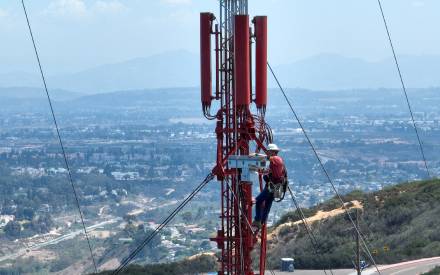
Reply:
x=66, y=163
x=323, y=167
x=164, y=223
x=422, y=152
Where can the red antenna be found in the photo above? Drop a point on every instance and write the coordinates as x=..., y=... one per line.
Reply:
x=241, y=135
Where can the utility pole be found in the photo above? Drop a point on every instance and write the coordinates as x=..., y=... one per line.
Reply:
x=358, y=247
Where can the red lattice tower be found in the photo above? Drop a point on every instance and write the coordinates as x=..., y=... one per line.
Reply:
x=240, y=134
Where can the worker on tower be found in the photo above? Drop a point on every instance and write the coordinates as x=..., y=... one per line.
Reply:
x=275, y=187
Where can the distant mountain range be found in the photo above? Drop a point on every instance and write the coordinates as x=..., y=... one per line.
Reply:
x=331, y=72
x=186, y=101
x=181, y=69
x=172, y=69
x=28, y=93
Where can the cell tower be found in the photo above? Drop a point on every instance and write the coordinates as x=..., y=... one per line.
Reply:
x=241, y=135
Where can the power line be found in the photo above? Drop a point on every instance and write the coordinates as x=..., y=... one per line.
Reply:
x=59, y=137
x=312, y=236
x=164, y=223
x=322, y=165
x=404, y=88
x=310, y=233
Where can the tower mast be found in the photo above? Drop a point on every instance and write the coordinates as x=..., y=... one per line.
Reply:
x=238, y=131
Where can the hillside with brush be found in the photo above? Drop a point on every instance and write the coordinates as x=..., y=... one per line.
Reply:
x=192, y=265
x=399, y=223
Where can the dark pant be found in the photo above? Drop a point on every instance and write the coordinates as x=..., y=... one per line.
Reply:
x=262, y=205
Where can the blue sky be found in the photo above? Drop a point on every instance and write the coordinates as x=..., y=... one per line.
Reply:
x=77, y=34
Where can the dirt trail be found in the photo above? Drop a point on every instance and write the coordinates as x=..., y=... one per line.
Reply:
x=320, y=215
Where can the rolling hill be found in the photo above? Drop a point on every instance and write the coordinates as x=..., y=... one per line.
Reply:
x=399, y=223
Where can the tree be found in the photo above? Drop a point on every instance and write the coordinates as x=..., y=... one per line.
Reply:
x=129, y=218
x=13, y=229
x=42, y=224
x=187, y=217
x=26, y=213
x=108, y=171
x=205, y=245
x=200, y=213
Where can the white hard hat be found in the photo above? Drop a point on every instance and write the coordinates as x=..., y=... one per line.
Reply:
x=273, y=147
